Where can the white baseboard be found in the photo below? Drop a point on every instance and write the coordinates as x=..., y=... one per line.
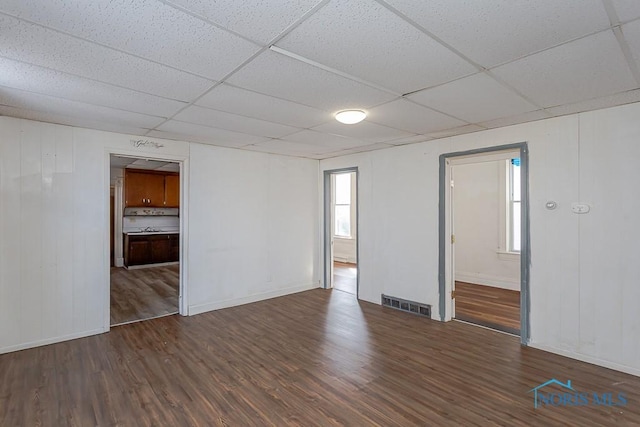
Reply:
x=48, y=341
x=203, y=308
x=589, y=359
x=488, y=280
x=119, y=262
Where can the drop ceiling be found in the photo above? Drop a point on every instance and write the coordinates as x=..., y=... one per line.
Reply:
x=268, y=75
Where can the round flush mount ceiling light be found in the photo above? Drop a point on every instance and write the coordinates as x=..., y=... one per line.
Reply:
x=350, y=117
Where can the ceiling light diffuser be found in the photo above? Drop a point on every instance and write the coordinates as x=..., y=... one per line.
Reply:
x=350, y=117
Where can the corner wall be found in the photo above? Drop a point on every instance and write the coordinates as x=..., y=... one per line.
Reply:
x=583, y=267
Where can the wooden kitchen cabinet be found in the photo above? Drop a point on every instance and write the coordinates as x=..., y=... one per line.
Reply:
x=172, y=191
x=136, y=250
x=160, y=246
x=151, y=249
x=143, y=188
x=174, y=249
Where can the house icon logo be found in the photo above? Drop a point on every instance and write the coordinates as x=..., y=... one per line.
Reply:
x=545, y=384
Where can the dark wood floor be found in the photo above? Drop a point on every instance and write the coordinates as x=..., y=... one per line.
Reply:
x=144, y=293
x=316, y=358
x=488, y=306
x=344, y=277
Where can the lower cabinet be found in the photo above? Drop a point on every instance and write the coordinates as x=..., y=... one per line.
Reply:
x=151, y=249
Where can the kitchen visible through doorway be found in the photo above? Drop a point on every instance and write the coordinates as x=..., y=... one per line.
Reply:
x=145, y=272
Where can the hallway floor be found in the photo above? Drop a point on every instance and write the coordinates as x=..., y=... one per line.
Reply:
x=144, y=293
x=345, y=277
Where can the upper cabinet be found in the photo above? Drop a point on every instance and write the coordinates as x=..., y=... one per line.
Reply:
x=172, y=191
x=151, y=189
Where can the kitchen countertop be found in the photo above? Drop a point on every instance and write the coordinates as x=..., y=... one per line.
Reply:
x=148, y=233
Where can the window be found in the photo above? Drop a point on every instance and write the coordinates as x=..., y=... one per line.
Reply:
x=342, y=202
x=513, y=230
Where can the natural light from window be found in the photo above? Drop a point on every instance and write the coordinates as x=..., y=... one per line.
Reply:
x=342, y=204
x=514, y=205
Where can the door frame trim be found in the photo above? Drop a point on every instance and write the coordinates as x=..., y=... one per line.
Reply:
x=444, y=245
x=327, y=255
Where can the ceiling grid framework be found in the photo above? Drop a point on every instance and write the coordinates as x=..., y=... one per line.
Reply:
x=268, y=75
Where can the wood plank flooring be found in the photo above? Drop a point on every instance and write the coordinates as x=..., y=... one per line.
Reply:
x=344, y=277
x=143, y=293
x=316, y=358
x=488, y=306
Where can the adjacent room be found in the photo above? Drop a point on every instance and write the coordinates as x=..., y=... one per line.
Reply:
x=344, y=232
x=319, y=212
x=486, y=240
x=145, y=228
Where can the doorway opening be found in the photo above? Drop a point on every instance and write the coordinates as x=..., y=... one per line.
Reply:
x=341, y=230
x=484, y=240
x=145, y=273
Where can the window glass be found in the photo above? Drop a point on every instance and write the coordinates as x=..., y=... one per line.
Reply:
x=343, y=221
x=343, y=189
x=514, y=205
x=515, y=236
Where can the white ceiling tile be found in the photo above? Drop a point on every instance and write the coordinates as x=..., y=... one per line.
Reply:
x=328, y=140
x=627, y=9
x=170, y=167
x=632, y=35
x=410, y=140
x=278, y=146
x=252, y=104
x=61, y=119
x=179, y=137
x=364, y=39
x=46, y=81
x=598, y=103
x=475, y=99
x=51, y=105
x=512, y=120
x=255, y=19
x=280, y=76
x=36, y=45
x=120, y=161
x=587, y=68
x=456, y=131
x=365, y=131
x=146, y=164
x=366, y=148
x=234, y=122
x=497, y=31
x=146, y=28
x=411, y=117
x=209, y=135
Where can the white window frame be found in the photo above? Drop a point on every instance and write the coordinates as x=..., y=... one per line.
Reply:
x=335, y=206
x=511, y=202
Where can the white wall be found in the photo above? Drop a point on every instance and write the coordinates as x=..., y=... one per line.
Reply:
x=479, y=198
x=253, y=219
x=584, y=269
x=251, y=228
